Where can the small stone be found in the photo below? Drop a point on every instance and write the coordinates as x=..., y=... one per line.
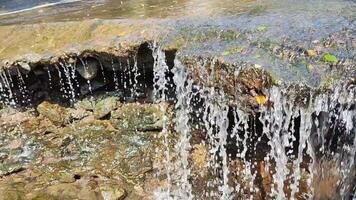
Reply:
x=54, y=112
x=65, y=177
x=15, y=144
x=24, y=66
x=89, y=69
x=10, y=168
x=71, y=60
x=110, y=193
x=105, y=106
x=85, y=104
x=257, y=66
x=79, y=113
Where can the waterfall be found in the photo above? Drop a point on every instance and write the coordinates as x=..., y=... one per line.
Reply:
x=280, y=149
x=296, y=130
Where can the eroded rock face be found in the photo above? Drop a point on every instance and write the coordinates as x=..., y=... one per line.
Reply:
x=46, y=157
x=106, y=106
x=54, y=112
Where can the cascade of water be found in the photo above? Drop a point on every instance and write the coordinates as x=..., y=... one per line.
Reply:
x=68, y=72
x=135, y=80
x=246, y=172
x=85, y=65
x=294, y=131
x=239, y=119
x=102, y=71
x=49, y=78
x=160, y=69
x=116, y=78
x=129, y=77
x=7, y=87
x=183, y=106
x=348, y=117
x=274, y=123
x=62, y=88
x=216, y=123
x=23, y=88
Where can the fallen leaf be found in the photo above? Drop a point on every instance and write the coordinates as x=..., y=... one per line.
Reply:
x=311, y=53
x=329, y=58
x=261, y=100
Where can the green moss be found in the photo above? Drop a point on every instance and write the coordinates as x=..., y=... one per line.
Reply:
x=225, y=53
x=261, y=28
x=329, y=58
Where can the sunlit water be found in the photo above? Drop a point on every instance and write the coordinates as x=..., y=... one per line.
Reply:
x=298, y=135
x=33, y=11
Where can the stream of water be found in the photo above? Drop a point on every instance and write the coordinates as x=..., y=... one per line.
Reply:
x=285, y=150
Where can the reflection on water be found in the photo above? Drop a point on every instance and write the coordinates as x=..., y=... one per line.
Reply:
x=63, y=10
x=31, y=11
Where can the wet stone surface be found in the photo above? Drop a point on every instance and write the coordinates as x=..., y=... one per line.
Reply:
x=259, y=101
x=87, y=158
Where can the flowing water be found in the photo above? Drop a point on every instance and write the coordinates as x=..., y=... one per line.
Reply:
x=298, y=145
x=289, y=142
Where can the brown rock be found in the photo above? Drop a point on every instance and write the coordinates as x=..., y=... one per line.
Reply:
x=54, y=112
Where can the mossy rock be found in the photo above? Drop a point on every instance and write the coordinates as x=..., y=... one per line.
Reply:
x=105, y=106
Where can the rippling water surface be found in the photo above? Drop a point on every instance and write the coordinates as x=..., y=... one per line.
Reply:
x=33, y=11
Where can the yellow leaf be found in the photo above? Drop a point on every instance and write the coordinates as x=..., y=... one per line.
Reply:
x=311, y=53
x=261, y=100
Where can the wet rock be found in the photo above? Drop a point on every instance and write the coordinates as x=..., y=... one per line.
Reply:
x=88, y=68
x=72, y=61
x=200, y=159
x=54, y=112
x=11, y=192
x=85, y=104
x=38, y=72
x=66, y=177
x=112, y=66
x=112, y=193
x=24, y=66
x=10, y=168
x=63, y=191
x=254, y=81
x=105, y=106
x=79, y=113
